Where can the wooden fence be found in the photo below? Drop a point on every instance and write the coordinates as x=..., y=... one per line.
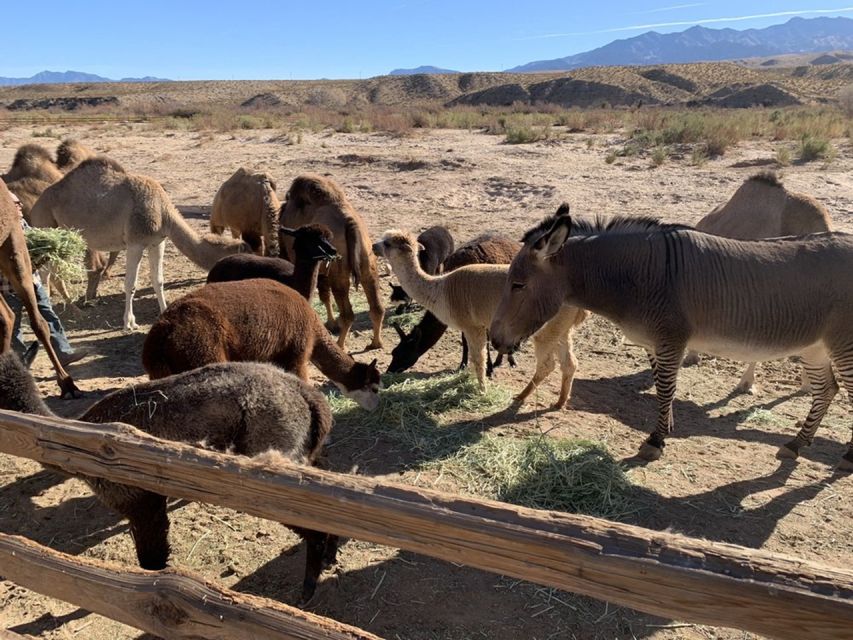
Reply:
x=656, y=572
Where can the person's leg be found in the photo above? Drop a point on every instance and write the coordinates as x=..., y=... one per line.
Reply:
x=17, y=333
x=57, y=332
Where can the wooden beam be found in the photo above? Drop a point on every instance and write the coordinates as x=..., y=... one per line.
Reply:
x=657, y=572
x=168, y=604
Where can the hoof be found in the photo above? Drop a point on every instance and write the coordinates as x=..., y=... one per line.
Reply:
x=786, y=453
x=746, y=389
x=332, y=327
x=374, y=344
x=67, y=387
x=558, y=406
x=650, y=452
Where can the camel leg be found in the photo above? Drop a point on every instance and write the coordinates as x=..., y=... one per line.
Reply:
x=747, y=381
x=7, y=325
x=377, y=312
x=134, y=257
x=15, y=265
x=477, y=349
x=155, y=264
x=347, y=317
x=96, y=268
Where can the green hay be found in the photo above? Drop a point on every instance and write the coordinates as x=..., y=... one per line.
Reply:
x=436, y=420
x=407, y=320
x=574, y=476
x=61, y=249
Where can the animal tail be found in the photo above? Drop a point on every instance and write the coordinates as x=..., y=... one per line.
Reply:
x=355, y=249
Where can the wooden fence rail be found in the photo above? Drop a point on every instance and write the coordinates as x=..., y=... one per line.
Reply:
x=168, y=604
x=656, y=572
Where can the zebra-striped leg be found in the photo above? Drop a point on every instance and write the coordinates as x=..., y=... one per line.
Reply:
x=843, y=360
x=666, y=362
x=824, y=389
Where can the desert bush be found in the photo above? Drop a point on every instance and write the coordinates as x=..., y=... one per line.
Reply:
x=814, y=148
x=698, y=156
x=845, y=100
x=659, y=156
x=783, y=156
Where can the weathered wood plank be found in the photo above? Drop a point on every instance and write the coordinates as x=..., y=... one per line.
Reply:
x=168, y=604
x=656, y=572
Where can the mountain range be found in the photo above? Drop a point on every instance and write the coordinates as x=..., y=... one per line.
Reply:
x=699, y=44
x=63, y=77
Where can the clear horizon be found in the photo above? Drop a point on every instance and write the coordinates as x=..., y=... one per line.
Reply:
x=204, y=41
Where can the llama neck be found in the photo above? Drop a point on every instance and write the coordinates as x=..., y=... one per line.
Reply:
x=334, y=363
x=305, y=274
x=420, y=286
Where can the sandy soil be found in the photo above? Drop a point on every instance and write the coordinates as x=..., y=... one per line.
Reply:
x=719, y=478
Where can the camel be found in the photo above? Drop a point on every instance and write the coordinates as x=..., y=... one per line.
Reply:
x=763, y=208
x=466, y=299
x=245, y=408
x=247, y=205
x=70, y=153
x=315, y=199
x=16, y=266
x=258, y=320
x=670, y=288
x=117, y=210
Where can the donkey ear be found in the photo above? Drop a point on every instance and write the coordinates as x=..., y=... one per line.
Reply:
x=553, y=240
x=563, y=209
x=287, y=231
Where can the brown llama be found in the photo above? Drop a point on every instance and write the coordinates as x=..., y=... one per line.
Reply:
x=313, y=198
x=312, y=246
x=246, y=204
x=244, y=408
x=16, y=266
x=253, y=320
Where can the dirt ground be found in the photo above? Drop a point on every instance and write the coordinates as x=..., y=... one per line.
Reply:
x=719, y=478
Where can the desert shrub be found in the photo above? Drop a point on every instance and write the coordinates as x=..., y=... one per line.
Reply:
x=523, y=134
x=814, y=148
x=698, y=156
x=783, y=156
x=659, y=156
x=610, y=158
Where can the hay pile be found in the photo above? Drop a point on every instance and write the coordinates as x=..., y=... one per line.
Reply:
x=60, y=249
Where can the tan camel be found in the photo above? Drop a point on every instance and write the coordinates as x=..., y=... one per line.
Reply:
x=763, y=208
x=15, y=265
x=70, y=153
x=247, y=205
x=315, y=199
x=116, y=210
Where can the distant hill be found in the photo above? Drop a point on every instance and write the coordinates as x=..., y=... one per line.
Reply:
x=66, y=77
x=418, y=70
x=798, y=35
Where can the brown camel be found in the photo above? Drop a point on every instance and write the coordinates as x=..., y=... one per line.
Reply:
x=315, y=199
x=763, y=208
x=70, y=153
x=115, y=210
x=15, y=265
x=247, y=205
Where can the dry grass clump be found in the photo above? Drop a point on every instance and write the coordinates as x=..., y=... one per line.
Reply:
x=815, y=148
x=574, y=476
x=60, y=249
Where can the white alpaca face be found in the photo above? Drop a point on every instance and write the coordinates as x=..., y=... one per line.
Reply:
x=367, y=398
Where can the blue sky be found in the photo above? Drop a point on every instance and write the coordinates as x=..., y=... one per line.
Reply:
x=186, y=40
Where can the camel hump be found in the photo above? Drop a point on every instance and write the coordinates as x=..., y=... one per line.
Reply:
x=312, y=189
x=770, y=178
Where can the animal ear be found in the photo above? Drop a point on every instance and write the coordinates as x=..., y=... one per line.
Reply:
x=563, y=209
x=287, y=231
x=399, y=331
x=421, y=247
x=372, y=365
x=553, y=240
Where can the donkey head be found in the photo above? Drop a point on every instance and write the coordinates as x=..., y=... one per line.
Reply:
x=534, y=290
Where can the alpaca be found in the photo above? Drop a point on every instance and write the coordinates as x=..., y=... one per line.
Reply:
x=16, y=266
x=246, y=203
x=116, y=210
x=763, y=208
x=312, y=245
x=466, y=299
x=244, y=408
x=485, y=249
x=434, y=246
x=313, y=198
x=253, y=320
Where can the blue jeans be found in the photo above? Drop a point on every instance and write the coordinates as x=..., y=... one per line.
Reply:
x=57, y=334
